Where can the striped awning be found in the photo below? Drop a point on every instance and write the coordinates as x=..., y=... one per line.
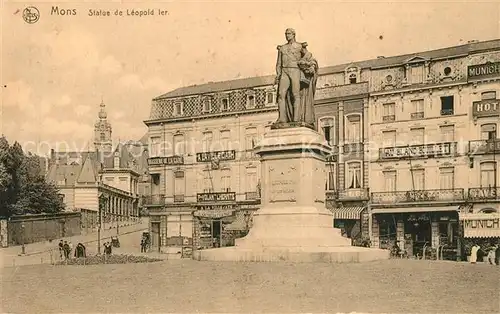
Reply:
x=481, y=225
x=352, y=212
x=213, y=214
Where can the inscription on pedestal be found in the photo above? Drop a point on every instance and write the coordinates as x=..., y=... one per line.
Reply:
x=282, y=184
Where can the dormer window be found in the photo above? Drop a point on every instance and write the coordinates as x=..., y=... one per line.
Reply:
x=250, y=101
x=207, y=105
x=353, y=78
x=178, y=108
x=269, y=98
x=224, y=104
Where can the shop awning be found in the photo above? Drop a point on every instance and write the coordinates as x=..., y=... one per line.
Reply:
x=352, y=212
x=214, y=214
x=394, y=210
x=481, y=225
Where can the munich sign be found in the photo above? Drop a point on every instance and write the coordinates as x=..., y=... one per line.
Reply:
x=162, y=161
x=485, y=223
x=427, y=150
x=216, y=197
x=219, y=155
x=486, y=108
x=488, y=69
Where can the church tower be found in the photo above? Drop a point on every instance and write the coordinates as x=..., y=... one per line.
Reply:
x=102, y=132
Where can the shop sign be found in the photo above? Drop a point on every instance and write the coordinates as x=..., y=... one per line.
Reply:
x=482, y=193
x=218, y=155
x=166, y=161
x=216, y=207
x=216, y=197
x=213, y=214
x=425, y=150
x=488, y=69
x=486, y=108
x=482, y=223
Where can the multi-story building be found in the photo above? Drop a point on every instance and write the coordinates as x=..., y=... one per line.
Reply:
x=420, y=126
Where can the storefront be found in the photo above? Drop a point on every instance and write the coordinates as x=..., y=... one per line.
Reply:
x=351, y=220
x=481, y=227
x=417, y=229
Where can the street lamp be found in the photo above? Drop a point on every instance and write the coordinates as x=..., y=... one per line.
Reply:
x=102, y=203
x=23, y=249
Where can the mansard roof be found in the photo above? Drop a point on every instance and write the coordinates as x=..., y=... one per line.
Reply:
x=251, y=82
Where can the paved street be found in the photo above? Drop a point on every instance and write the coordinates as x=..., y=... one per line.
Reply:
x=393, y=286
x=37, y=253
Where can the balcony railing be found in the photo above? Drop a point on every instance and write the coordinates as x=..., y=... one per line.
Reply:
x=389, y=118
x=447, y=112
x=353, y=148
x=179, y=198
x=417, y=115
x=331, y=195
x=447, y=149
x=154, y=200
x=481, y=147
x=252, y=196
x=484, y=193
x=440, y=195
x=353, y=194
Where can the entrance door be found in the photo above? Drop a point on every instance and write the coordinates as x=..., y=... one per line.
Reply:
x=216, y=234
x=155, y=234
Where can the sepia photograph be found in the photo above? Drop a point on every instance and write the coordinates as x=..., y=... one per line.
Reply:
x=249, y=156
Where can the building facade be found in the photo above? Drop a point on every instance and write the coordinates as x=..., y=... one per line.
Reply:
x=421, y=124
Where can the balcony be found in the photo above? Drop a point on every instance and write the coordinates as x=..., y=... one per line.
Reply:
x=447, y=112
x=417, y=115
x=418, y=196
x=251, y=196
x=154, y=200
x=483, y=147
x=353, y=195
x=389, y=118
x=485, y=193
x=448, y=149
x=179, y=198
x=331, y=195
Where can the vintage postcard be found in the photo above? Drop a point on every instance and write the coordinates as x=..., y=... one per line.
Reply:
x=250, y=156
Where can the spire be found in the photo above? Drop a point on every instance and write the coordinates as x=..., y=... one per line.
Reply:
x=102, y=113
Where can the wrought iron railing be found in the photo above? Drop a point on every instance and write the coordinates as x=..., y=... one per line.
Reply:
x=389, y=118
x=484, y=193
x=353, y=148
x=418, y=196
x=434, y=150
x=480, y=147
x=417, y=115
x=331, y=195
x=447, y=112
x=154, y=200
x=353, y=194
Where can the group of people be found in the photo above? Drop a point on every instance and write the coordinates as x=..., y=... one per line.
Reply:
x=144, y=244
x=108, y=248
x=492, y=254
x=66, y=247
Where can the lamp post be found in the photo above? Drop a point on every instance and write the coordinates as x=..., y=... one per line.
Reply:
x=102, y=204
x=23, y=248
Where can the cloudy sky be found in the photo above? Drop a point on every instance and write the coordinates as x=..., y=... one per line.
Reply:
x=54, y=72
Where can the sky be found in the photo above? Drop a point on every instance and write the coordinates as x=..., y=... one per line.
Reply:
x=55, y=72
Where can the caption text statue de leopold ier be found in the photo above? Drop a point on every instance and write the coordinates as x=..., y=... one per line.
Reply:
x=296, y=76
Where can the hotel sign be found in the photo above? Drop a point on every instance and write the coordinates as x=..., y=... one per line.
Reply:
x=489, y=69
x=486, y=108
x=416, y=151
x=216, y=197
x=166, y=161
x=218, y=155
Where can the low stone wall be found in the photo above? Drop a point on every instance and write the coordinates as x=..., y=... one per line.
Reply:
x=42, y=227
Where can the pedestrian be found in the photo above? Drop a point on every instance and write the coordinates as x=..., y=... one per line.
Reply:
x=473, y=253
x=66, y=250
x=61, y=249
x=70, y=246
x=497, y=254
x=491, y=255
x=143, y=247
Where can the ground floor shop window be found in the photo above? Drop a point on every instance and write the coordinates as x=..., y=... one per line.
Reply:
x=417, y=228
x=213, y=234
x=387, y=230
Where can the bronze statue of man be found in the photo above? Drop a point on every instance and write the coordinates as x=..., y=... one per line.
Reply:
x=296, y=76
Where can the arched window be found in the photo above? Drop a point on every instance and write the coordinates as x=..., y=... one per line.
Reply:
x=327, y=127
x=354, y=178
x=488, y=173
x=353, y=78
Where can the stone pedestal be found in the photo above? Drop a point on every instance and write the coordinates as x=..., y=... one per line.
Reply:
x=293, y=223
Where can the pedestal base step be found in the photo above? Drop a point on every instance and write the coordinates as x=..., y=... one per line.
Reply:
x=351, y=254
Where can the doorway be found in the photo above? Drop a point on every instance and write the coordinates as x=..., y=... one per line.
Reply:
x=216, y=232
x=155, y=234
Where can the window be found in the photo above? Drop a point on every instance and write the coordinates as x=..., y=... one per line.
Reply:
x=488, y=131
x=417, y=135
x=179, y=145
x=103, y=136
x=390, y=181
x=251, y=101
x=352, y=78
x=447, y=133
x=489, y=95
x=447, y=178
x=389, y=112
x=207, y=105
x=418, y=109
x=250, y=140
x=418, y=179
x=224, y=104
x=389, y=138
x=488, y=171
x=207, y=181
x=269, y=98
x=179, y=183
x=207, y=141
x=225, y=177
x=251, y=179
x=225, y=137
x=353, y=129
x=353, y=179
x=416, y=74
x=447, y=105
x=330, y=180
x=116, y=162
x=155, y=147
x=328, y=129
x=178, y=108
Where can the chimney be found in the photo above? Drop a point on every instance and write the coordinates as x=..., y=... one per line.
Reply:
x=380, y=57
x=473, y=41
